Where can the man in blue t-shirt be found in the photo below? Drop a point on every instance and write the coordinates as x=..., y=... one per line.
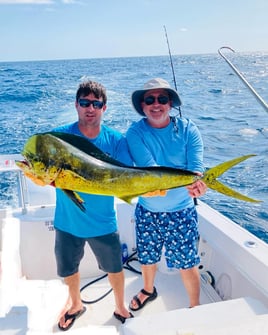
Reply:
x=96, y=225
x=168, y=221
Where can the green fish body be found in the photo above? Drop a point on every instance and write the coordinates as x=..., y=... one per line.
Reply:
x=74, y=164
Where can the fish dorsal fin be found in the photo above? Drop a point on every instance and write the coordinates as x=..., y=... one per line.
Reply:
x=86, y=146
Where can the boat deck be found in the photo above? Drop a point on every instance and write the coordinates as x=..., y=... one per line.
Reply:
x=171, y=296
x=161, y=317
x=167, y=315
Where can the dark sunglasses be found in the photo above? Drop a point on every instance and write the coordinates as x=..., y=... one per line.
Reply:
x=162, y=99
x=86, y=103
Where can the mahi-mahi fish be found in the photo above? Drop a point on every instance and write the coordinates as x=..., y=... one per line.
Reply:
x=73, y=164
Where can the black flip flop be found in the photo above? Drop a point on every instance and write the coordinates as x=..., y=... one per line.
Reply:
x=151, y=297
x=72, y=317
x=122, y=318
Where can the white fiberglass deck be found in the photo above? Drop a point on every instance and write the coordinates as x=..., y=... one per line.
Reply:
x=167, y=315
x=171, y=296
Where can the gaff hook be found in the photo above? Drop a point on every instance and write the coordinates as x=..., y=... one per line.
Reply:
x=257, y=96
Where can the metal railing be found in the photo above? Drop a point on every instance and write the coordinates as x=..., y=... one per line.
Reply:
x=7, y=164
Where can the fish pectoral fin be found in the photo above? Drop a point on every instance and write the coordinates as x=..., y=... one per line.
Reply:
x=129, y=198
x=75, y=198
x=221, y=188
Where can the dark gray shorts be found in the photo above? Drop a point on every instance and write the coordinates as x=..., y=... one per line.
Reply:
x=69, y=251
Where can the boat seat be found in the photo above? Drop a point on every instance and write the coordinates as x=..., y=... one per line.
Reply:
x=189, y=320
x=255, y=325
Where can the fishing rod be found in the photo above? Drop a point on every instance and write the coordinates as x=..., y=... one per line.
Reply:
x=257, y=96
x=174, y=78
x=171, y=62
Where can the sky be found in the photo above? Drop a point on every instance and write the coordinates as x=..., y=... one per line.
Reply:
x=75, y=29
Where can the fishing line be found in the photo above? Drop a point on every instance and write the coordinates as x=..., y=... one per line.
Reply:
x=174, y=118
x=263, y=131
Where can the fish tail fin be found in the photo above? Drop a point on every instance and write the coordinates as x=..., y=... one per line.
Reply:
x=210, y=176
x=221, y=188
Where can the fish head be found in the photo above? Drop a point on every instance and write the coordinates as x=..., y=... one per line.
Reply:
x=39, y=164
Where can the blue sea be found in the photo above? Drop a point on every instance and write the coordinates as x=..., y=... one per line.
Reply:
x=39, y=95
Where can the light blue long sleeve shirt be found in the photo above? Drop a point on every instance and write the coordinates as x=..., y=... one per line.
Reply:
x=178, y=145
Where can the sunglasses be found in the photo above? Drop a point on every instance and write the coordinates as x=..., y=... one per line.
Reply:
x=162, y=99
x=86, y=103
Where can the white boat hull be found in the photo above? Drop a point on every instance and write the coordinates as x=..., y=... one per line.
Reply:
x=233, y=268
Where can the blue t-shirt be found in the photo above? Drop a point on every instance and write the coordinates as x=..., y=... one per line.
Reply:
x=99, y=217
x=178, y=145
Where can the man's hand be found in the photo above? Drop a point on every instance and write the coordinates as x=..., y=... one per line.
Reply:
x=197, y=189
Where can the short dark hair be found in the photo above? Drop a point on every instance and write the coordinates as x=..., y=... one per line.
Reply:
x=88, y=87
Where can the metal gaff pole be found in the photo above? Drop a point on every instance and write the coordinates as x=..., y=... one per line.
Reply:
x=257, y=96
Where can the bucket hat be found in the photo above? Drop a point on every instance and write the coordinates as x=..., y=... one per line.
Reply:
x=156, y=83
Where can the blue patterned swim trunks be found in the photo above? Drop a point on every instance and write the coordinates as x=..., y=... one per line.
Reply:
x=176, y=231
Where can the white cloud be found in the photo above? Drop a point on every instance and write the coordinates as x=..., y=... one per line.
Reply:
x=24, y=2
x=69, y=1
x=37, y=2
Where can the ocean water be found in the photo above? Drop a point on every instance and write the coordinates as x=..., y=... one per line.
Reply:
x=37, y=96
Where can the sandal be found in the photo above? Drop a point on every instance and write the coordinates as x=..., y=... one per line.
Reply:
x=122, y=318
x=151, y=297
x=72, y=317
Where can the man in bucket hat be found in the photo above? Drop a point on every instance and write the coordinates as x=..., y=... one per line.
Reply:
x=166, y=218
x=153, y=84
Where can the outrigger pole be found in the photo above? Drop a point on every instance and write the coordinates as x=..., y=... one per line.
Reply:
x=257, y=96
